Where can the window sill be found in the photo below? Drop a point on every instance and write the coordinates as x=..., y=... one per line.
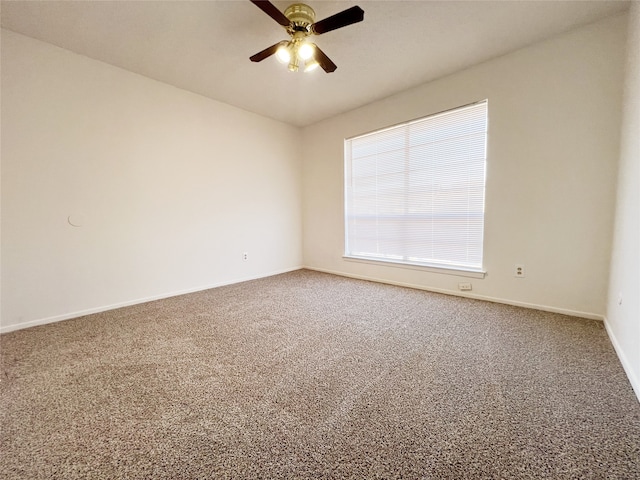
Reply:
x=458, y=271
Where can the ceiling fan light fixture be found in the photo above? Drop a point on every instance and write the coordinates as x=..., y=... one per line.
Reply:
x=306, y=51
x=283, y=53
x=293, y=64
x=311, y=65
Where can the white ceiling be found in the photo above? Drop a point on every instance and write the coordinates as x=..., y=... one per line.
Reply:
x=204, y=46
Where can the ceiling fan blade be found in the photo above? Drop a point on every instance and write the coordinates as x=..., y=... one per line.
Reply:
x=270, y=9
x=339, y=20
x=267, y=52
x=324, y=61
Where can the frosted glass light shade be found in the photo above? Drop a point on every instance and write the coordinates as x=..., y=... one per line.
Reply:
x=283, y=54
x=311, y=65
x=306, y=51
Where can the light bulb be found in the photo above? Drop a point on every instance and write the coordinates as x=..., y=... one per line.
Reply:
x=283, y=54
x=305, y=51
x=311, y=65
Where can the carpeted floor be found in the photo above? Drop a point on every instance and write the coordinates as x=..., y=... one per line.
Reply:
x=309, y=376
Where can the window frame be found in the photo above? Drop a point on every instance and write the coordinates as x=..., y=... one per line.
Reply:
x=435, y=267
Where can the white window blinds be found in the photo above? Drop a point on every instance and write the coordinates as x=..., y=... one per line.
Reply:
x=414, y=193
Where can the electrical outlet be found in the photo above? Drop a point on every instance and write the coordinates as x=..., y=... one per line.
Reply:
x=245, y=256
x=466, y=286
x=519, y=271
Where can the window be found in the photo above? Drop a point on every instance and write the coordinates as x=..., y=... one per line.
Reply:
x=414, y=193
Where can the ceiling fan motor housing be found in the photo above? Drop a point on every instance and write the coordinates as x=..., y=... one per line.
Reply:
x=301, y=16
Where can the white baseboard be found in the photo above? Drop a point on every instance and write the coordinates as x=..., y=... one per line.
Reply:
x=545, y=308
x=626, y=365
x=104, y=308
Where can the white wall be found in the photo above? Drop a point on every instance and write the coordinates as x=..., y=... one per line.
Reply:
x=554, y=114
x=623, y=318
x=173, y=188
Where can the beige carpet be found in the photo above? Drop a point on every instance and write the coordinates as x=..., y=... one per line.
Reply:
x=310, y=376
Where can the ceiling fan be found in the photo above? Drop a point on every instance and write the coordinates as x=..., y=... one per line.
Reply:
x=299, y=22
